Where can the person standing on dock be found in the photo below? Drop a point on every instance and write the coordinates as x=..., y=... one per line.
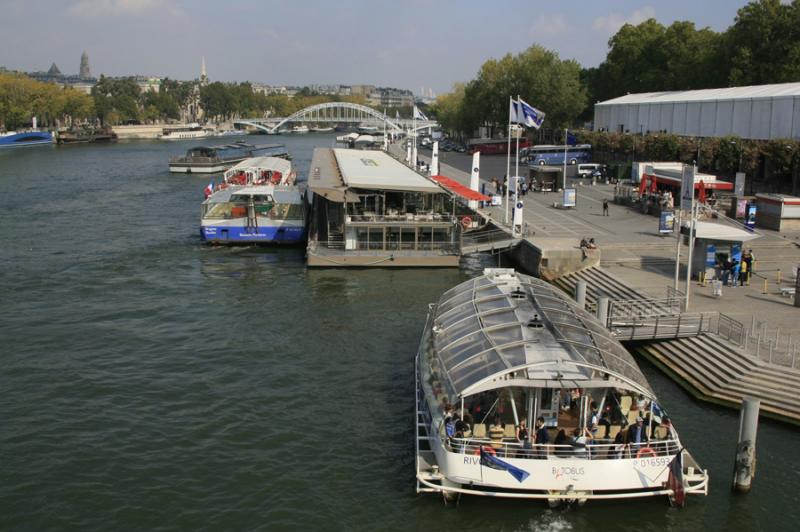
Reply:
x=605, y=207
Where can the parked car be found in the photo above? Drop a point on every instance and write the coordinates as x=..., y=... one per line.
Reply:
x=586, y=170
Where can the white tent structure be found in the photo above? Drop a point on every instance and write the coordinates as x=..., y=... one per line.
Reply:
x=755, y=112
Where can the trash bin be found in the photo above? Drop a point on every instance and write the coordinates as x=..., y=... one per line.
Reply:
x=716, y=288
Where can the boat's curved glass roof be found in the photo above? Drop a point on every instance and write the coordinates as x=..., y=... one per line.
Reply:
x=485, y=327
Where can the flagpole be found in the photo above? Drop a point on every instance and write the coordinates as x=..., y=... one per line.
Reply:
x=516, y=168
x=508, y=157
x=565, y=159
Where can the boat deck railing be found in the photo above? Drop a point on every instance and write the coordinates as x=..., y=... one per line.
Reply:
x=196, y=160
x=593, y=450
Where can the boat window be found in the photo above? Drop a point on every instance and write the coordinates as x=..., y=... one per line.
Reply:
x=376, y=238
x=506, y=335
x=469, y=346
x=458, y=330
x=477, y=368
x=514, y=356
x=499, y=318
x=286, y=211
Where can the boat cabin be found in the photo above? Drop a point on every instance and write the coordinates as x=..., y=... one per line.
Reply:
x=368, y=209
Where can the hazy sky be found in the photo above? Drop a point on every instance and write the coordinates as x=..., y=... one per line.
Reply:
x=402, y=43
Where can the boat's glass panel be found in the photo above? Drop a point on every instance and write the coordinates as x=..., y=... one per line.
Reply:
x=477, y=368
x=499, y=318
x=476, y=318
x=514, y=356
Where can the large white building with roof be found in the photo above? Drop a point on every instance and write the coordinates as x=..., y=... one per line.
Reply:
x=757, y=112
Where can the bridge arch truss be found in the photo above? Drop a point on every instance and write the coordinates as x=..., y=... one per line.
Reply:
x=338, y=112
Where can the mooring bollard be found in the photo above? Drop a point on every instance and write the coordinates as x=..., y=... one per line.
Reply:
x=765, y=286
x=778, y=276
x=744, y=466
x=602, y=310
x=580, y=294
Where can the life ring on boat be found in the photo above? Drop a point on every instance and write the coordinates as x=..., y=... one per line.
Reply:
x=466, y=221
x=645, y=451
x=486, y=449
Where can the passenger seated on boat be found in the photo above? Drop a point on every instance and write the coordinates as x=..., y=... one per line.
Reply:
x=581, y=439
x=496, y=432
x=619, y=443
x=523, y=437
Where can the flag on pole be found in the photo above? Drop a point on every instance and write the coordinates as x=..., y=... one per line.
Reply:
x=397, y=115
x=513, y=112
x=529, y=115
x=489, y=460
x=209, y=189
x=675, y=480
x=572, y=140
x=418, y=115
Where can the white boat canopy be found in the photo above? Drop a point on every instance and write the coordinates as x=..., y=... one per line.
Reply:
x=375, y=170
x=507, y=329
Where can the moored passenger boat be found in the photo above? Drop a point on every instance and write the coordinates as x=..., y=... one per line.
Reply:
x=572, y=416
x=213, y=159
x=259, y=201
x=186, y=131
x=19, y=139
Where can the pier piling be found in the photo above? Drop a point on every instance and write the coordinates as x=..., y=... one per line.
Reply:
x=602, y=310
x=580, y=293
x=744, y=467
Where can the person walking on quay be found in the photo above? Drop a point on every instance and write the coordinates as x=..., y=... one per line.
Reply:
x=605, y=207
x=747, y=261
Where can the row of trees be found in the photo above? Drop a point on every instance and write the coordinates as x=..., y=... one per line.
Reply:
x=776, y=161
x=22, y=98
x=762, y=46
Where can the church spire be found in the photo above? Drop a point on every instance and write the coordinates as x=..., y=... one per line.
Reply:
x=203, y=74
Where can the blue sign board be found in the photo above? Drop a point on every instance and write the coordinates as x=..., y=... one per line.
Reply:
x=570, y=197
x=666, y=223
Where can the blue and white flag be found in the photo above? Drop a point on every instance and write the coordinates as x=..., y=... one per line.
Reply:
x=490, y=460
x=529, y=115
x=418, y=115
x=513, y=113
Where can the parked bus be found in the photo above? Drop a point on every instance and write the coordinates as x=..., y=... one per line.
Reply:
x=495, y=146
x=554, y=155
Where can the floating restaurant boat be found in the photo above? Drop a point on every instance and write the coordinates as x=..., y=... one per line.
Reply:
x=300, y=129
x=259, y=201
x=369, y=209
x=321, y=129
x=213, y=159
x=506, y=347
x=19, y=139
x=187, y=131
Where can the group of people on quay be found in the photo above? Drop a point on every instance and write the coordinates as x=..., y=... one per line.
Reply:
x=733, y=272
x=616, y=432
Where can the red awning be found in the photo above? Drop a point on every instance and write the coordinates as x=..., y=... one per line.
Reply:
x=457, y=188
x=676, y=182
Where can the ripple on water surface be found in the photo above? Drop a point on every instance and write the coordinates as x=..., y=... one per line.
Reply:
x=152, y=382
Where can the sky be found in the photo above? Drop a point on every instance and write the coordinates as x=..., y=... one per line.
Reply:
x=409, y=44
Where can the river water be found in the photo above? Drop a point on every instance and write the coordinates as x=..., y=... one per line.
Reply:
x=151, y=382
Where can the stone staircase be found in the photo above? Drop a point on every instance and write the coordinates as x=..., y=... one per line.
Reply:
x=717, y=371
x=709, y=366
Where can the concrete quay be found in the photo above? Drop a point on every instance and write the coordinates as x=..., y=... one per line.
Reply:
x=635, y=262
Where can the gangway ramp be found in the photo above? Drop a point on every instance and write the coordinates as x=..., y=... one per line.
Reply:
x=487, y=240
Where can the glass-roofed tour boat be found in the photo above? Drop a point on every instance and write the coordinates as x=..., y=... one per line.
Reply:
x=521, y=393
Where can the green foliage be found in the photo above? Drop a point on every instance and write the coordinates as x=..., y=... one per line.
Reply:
x=536, y=75
x=117, y=96
x=763, y=45
x=22, y=98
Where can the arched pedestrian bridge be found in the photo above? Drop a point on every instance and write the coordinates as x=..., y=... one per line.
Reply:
x=332, y=113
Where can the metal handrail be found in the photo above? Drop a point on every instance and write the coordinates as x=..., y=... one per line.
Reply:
x=591, y=450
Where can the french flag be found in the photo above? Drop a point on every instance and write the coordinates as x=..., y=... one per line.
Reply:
x=209, y=189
